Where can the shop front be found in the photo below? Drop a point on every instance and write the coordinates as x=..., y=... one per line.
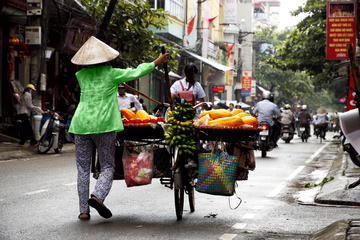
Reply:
x=14, y=60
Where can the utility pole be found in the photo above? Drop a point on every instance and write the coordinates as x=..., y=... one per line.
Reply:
x=198, y=28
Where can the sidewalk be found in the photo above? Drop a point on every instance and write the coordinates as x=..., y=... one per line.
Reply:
x=9, y=149
x=336, y=192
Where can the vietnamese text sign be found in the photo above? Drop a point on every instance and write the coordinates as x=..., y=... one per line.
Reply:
x=341, y=29
x=219, y=88
x=246, y=81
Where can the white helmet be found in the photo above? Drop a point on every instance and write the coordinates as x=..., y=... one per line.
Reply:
x=266, y=95
x=303, y=107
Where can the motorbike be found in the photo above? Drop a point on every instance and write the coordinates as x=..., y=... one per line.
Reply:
x=347, y=147
x=320, y=131
x=303, y=134
x=287, y=132
x=263, y=141
x=52, y=132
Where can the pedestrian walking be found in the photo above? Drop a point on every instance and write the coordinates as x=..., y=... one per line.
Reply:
x=98, y=117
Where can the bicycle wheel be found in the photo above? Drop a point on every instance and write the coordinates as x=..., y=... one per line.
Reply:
x=179, y=202
x=46, y=142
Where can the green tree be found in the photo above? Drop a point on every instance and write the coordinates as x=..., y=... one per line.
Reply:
x=305, y=50
x=292, y=86
x=129, y=31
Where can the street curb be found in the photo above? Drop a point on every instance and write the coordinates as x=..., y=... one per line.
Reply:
x=335, y=231
x=336, y=192
x=15, y=152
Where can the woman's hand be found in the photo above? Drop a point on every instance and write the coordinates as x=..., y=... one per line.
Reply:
x=163, y=58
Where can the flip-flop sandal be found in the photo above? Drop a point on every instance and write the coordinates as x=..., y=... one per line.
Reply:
x=100, y=207
x=84, y=218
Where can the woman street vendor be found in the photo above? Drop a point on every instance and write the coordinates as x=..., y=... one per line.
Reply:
x=97, y=118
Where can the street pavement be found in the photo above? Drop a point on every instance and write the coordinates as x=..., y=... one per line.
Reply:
x=333, y=193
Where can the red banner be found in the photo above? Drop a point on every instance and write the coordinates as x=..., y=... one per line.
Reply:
x=246, y=81
x=350, y=102
x=341, y=29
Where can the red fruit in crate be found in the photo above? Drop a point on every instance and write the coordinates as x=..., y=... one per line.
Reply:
x=131, y=121
x=145, y=120
x=153, y=120
x=138, y=120
x=159, y=119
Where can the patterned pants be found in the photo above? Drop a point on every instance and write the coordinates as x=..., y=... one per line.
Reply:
x=84, y=144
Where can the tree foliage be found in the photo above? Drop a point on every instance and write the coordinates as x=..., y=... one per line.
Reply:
x=291, y=86
x=305, y=50
x=129, y=30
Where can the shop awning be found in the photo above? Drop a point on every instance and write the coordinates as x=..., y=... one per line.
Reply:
x=213, y=64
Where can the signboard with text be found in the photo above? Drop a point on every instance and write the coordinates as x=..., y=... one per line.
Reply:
x=341, y=29
x=246, y=81
x=219, y=88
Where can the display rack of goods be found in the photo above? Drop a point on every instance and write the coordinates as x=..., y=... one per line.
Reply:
x=140, y=119
x=228, y=126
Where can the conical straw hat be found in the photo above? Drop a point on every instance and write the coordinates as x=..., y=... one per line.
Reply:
x=94, y=51
x=321, y=110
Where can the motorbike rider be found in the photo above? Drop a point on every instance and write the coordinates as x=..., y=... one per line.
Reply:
x=267, y=111
x=287, y=117
x=305, y=119
x=321, y=120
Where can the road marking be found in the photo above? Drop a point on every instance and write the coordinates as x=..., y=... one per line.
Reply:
x=278, y=189
x=249, y=216
x=70, y=184
x=294, y=173
x=239, y=226
x=36, y=192
x=227, y=236
x=314, y=155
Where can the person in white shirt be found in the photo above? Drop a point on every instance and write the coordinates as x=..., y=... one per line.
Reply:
x=127, y=100
x=188, y=84
x=26, y=108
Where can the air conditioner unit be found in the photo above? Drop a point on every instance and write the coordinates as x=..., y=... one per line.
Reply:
x=34, y=7
x=34, y=1
x=33, y=35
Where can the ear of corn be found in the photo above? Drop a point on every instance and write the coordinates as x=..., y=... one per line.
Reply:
x=128, y=114
x=236, y=111
x=217, y=113
x=233, y=121
x=141, y=114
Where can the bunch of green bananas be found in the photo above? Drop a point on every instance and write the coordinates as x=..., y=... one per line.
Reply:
x=182, y=132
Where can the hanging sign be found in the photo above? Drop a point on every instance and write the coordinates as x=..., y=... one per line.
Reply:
x=220, y=88
x=341, y=29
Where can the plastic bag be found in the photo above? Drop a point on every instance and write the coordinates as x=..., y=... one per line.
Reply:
x=138, y=168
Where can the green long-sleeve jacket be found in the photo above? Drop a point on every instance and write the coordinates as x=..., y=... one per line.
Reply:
x=98, y=110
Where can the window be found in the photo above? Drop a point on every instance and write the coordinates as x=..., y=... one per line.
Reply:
x=156, y=4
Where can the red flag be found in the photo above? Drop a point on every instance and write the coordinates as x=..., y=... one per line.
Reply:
x=230, y=49
x=212, y=19
x=350, y=103
x=190, y=25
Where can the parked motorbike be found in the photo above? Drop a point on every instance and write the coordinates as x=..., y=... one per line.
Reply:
x=347, y=147
x=263, y=141
x=52, y=132
x=287, y=132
